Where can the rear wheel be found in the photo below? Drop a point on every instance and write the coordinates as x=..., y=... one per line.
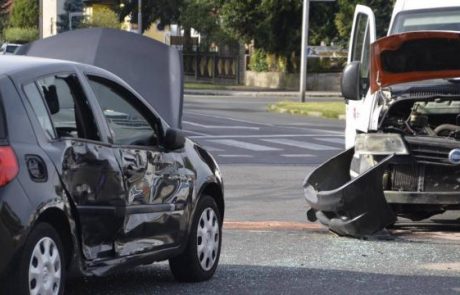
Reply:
x=41, y=268
x=201, y=257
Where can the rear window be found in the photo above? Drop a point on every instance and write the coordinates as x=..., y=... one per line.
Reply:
x=445, y=19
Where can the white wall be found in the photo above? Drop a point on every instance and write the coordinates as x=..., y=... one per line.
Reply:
x=49, y=12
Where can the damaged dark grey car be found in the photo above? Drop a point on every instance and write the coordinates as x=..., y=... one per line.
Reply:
x=409, y=165
x=93, y=178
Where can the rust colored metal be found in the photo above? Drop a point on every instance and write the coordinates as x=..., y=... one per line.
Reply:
x=379, y=78
x=271, y=225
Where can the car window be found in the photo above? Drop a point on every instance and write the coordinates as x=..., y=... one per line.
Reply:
x=444, y=19
x=11, y=48
x=127, y=118
x=361, y=46
x=67, y=107
x=39, y=108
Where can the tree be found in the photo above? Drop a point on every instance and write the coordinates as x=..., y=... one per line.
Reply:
x=322, y=25
x=381, y=8
x=204, y=17
x=165, y=12
x=102, y=18
x=70, y=6
x=274, y=25
x=24, y=14
x=5, y=9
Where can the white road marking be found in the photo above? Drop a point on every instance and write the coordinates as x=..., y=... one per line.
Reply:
x=219, y=126
x=195, y=132
x=213, y=149
x=333, y=140
x=235, y=156
x=230, y=119
x=260, y=136
x=302, y=144
x=244, y=145
x=297, y=156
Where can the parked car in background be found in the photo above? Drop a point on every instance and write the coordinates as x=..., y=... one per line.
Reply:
x=8, y=48
x=93, y=180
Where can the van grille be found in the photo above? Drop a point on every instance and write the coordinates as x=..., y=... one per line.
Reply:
x=430, y=150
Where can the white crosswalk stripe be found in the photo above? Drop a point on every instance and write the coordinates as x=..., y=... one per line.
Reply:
x=302, y=144
x=333, y=140
x=244, y=145
x=297, y=156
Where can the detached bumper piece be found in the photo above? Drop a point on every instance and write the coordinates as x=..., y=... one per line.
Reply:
x=349, y=207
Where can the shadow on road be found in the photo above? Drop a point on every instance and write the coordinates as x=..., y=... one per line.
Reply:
x=244, y=279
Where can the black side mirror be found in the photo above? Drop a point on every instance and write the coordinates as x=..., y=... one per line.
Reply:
x=174, y=139
x=351, y=81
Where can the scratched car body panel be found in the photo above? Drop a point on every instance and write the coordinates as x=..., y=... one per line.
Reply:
x=96, y=161
x=407, y=166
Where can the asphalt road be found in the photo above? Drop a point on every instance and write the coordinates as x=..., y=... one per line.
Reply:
x=241, y=131
x=268, y=247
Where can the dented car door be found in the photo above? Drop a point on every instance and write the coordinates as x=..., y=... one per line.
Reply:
x=87, y=167
x=157, y=185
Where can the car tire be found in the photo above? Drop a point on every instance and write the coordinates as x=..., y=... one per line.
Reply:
x=200, y=259
x=41, y=264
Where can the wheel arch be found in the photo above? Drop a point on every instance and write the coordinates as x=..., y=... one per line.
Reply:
x=215, y=191
x=58, y=219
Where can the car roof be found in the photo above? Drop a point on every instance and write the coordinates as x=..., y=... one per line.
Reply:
x=10, y=64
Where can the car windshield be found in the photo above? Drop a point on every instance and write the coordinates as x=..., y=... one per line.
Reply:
x=446, y=19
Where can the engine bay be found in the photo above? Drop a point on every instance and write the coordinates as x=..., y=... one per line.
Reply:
x=437, y=117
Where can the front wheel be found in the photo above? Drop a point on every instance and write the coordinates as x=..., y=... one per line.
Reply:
x=201, y=257
x=40, y=269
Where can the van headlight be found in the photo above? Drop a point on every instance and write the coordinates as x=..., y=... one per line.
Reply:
x=380, y=144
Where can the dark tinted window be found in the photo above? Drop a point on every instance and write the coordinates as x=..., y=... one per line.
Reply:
x=127, y=118
x=39, y=108
x=68, y=106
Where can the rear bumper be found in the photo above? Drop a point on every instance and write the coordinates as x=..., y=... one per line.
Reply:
x=350, y=207
x=15, y=211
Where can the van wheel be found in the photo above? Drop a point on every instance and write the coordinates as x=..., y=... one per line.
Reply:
x=41, y=268
x=201, y=257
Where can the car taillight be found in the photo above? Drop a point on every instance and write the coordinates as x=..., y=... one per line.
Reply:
x=9, y=168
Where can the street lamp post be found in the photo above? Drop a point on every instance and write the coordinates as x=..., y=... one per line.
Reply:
x=304, y=53
x=139, y=17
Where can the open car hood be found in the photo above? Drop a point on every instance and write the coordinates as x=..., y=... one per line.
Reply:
x=413, y=57
x=152, y=68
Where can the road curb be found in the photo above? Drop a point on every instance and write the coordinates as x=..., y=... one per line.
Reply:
x=262, y=93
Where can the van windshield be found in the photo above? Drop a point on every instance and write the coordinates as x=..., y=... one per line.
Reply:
x=445, y=19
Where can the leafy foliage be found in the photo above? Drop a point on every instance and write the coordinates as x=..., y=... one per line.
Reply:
x=20, y=35
x=5, y=8
x=102, y=18
x=274, y=25
x=166, y=12
x=381, y=8
x=24, y=14
x=258, y=61
x=70, y=6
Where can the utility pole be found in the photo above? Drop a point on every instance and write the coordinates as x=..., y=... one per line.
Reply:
x=139, y=17
x=304, y=50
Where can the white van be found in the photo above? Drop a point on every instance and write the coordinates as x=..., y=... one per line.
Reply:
x=408, y=15
x=403, y=123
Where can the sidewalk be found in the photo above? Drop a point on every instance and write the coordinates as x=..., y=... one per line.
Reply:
x=261, y=93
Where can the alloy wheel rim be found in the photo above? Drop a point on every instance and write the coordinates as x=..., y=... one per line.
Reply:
x=45, y=268
x=208, y=239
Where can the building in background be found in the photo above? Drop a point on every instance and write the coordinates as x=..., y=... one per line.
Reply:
x=49, y=15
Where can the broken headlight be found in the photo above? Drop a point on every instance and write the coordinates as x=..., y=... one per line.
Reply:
x=380, y=144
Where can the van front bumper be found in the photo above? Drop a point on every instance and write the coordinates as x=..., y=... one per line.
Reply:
x=350, y=207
